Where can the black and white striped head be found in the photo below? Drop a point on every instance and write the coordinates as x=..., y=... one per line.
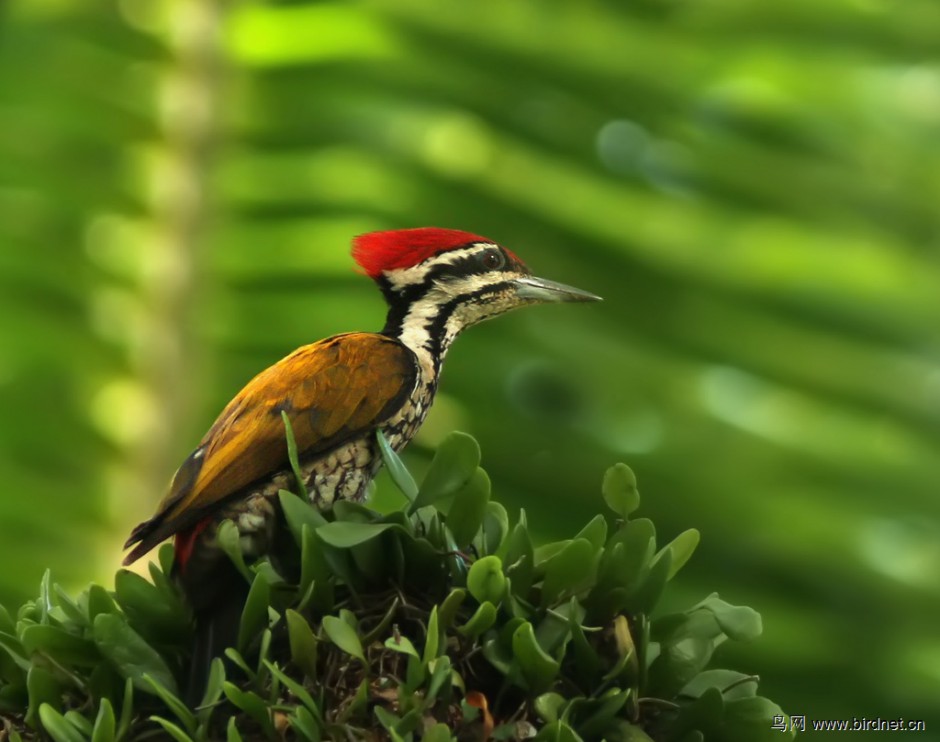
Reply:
x=440, y=281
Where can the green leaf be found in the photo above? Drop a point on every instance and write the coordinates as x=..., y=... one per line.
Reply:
x=644, y=598
x=468, y=509
x=396, y=469
x=437, y=733
x=450, y=606
x=571, y=570
x=619, y=490
x=130, y=655
x=180, y=710
x=303, y=643
x=605, y=711
x=520, y=558
x=402, y=644
x=343, y=636
x=347, y=534
x=172, y=729
x=730, y=683
x=455, y=462
x=236, y=659
x=636, y=540
x=486, y=581
x=229, y=541
x=292, y=455
x=682, y=547
x=254, y=617
x=495, y=528
x=45, y=597
x=299, y=692
x=538, y=667
x=751, y=719
x=148, y=607
x=316, y=584
x=43, y=687
x=127, y=709
x=441, y=671
x=213, y=692
x=595, y=532
x=253, y=705
x=304, y=724
x=68, y=606
x=105, y=728
x=166, y=555
x=482, y=620
x=677, y=664
x=66, y=649
x=704, y=714
x=99, y=602
x=738, y=622
x=433, y=638
x=548, y=706
x=231, y=732
x=298, y=513
x=58, y=727
x=557, y=731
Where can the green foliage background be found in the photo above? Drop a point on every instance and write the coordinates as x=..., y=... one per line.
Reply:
x=752, y=187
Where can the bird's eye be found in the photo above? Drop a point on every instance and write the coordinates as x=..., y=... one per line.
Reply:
x=493, y=259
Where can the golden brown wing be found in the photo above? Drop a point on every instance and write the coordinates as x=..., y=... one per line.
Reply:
x=332, y=391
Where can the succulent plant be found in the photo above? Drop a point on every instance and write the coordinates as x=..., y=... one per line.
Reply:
x=440, y=620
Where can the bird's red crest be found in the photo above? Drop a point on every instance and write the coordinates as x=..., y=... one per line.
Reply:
x=401, y=248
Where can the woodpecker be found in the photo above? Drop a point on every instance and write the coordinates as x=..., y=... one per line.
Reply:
x=336, y=393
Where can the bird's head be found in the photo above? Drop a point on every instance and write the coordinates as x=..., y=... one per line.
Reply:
x=440, y=281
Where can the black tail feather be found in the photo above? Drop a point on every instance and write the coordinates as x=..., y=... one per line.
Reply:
x=217, y=621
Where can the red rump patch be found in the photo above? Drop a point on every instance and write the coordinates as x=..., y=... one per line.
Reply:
x=185, y=541
x=402, y=248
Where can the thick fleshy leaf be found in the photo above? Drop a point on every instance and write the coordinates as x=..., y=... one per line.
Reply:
x=346, y=534
x=572, y=569
x=304, y=725
x=486, y=581
x=173, y=730
x=595, y=532
x=298, y=513
x=343, y=636
x=538, y=667
x=58, y=727
x=99, y=601
x=731, y=683
x=738, y=622
x=468, y=509
x=482, y=620
x=130, y=655
x=43, y=687
x=229, y=541
x=255, y=612
x=180, y=710
x=63, y=647
x=752, y=719
x=292, y=456
x=303, y=643
x=253, y=705
x=148, y=607
x=619, y=490
x=105, y=728
x=396, y=469
x=402, y=644
x=454, y=463
x=682, y=547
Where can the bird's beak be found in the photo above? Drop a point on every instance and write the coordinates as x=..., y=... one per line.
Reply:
x=542, y=290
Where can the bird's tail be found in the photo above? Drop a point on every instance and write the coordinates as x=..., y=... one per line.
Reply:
x=217, y=618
